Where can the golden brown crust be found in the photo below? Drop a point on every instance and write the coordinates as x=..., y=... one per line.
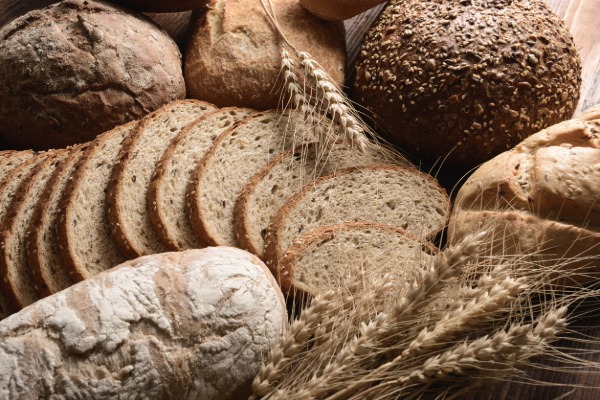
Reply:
x=273, y=250
x=42, y=282
x=467, y=80
x=96, y=66
x=233, y=55
x=285, y=268
x=337, y=10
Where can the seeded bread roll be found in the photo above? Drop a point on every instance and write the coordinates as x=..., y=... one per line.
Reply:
x=86, y=244
x=188, y=325
x=397, y=196
x=474, y=78
x=49, y=275
x=233, y=159
x=78, y=68
x=18, y=286
x=317, y=261
x=173, y=171
x=233, y=56
x=268, y=191
x=127, y=190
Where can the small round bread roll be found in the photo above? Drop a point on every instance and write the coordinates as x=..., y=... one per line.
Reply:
x=467, y=80
x=79, y=68
x=161, y=6
x=233, y=57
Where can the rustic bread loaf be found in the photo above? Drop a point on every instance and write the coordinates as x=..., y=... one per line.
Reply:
x=401, y=197
x=161, y=6
x=233, y=55
x=467, y=80
x=87, y=246
x=337, y=10
x=126, y=199
x=18, y=286
x=195, y=324
x=541, y=197
x=79, y=68
x=166, y=193
x=12, y=160
x=47, y=271
x=317, y=261
x=267, y=191
x=233, y=159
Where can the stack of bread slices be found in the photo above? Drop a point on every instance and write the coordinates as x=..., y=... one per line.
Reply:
x=191, y=175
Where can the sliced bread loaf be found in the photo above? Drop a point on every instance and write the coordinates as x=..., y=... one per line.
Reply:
x=234, y=158
x=12, y=159
x=166, y=193
x=19, y=288
x=11, y=182
x=397, y=196
x=126, y=199
x=87, y=246
x=285, y=176
x=316, y=261
x=49, y=275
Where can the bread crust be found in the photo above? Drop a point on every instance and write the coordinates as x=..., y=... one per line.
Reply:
x=43, y=283
x=96, y=66
x=233, y=55
x=113, y=197
x=337, y=10
x=8, y=160
x=273, y=250
x=286, y=266
x=159, y=6
x=76, y=271
x=15, y=299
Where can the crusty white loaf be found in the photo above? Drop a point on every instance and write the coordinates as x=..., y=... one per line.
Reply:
x=189, y=325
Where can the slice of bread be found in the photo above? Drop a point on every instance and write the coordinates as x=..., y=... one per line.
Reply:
x=234, y=158
x=49, y=275
x=401, y=197
x=12, y=159
x=166, y=193
x=19, y=288
x=317, y=261
x=87, y=246
x=286, y=175
x=126, y=199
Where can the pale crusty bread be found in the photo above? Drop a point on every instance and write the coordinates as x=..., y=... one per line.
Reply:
x=234, y=158
x=126, y=199
x=265, y=194
x=397, y=196
x=87, y=246
x=317, y=261
x=12, y=159
x=18, y=286
x=49, y=275
x=166, y=193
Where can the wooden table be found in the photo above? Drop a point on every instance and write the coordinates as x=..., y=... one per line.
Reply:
x=583, y=18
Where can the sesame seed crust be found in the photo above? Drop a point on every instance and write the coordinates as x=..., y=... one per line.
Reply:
x=475, y=76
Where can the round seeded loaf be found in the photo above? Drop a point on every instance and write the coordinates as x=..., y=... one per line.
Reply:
x=467, y=80
x=79, y=68
x=541, y=197
x=233, y=56
x=189, y=325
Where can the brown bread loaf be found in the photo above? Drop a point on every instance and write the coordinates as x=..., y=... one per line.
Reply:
x=337, y=10
x=467, y=80
x=79, y=68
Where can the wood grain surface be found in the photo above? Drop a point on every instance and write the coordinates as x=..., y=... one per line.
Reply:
x=583, y=18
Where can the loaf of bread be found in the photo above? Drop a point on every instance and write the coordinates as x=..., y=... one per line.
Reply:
x=233, y=56
x=337, y=10
x=317, y=261
x=541, y=197
x=463, y=81
x=195, y=324
x=79, y=68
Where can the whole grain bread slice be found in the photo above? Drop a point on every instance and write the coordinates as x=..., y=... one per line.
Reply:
x=401, y=197
x=166, y=193
x=19, y=288
x=126, y=199
x=87, y=246
x=317, y=261
x=266, y=192
x=12, y=159
x=49, y=275
x=233, y=159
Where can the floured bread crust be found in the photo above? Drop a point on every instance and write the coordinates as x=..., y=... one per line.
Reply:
x=189, y=325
